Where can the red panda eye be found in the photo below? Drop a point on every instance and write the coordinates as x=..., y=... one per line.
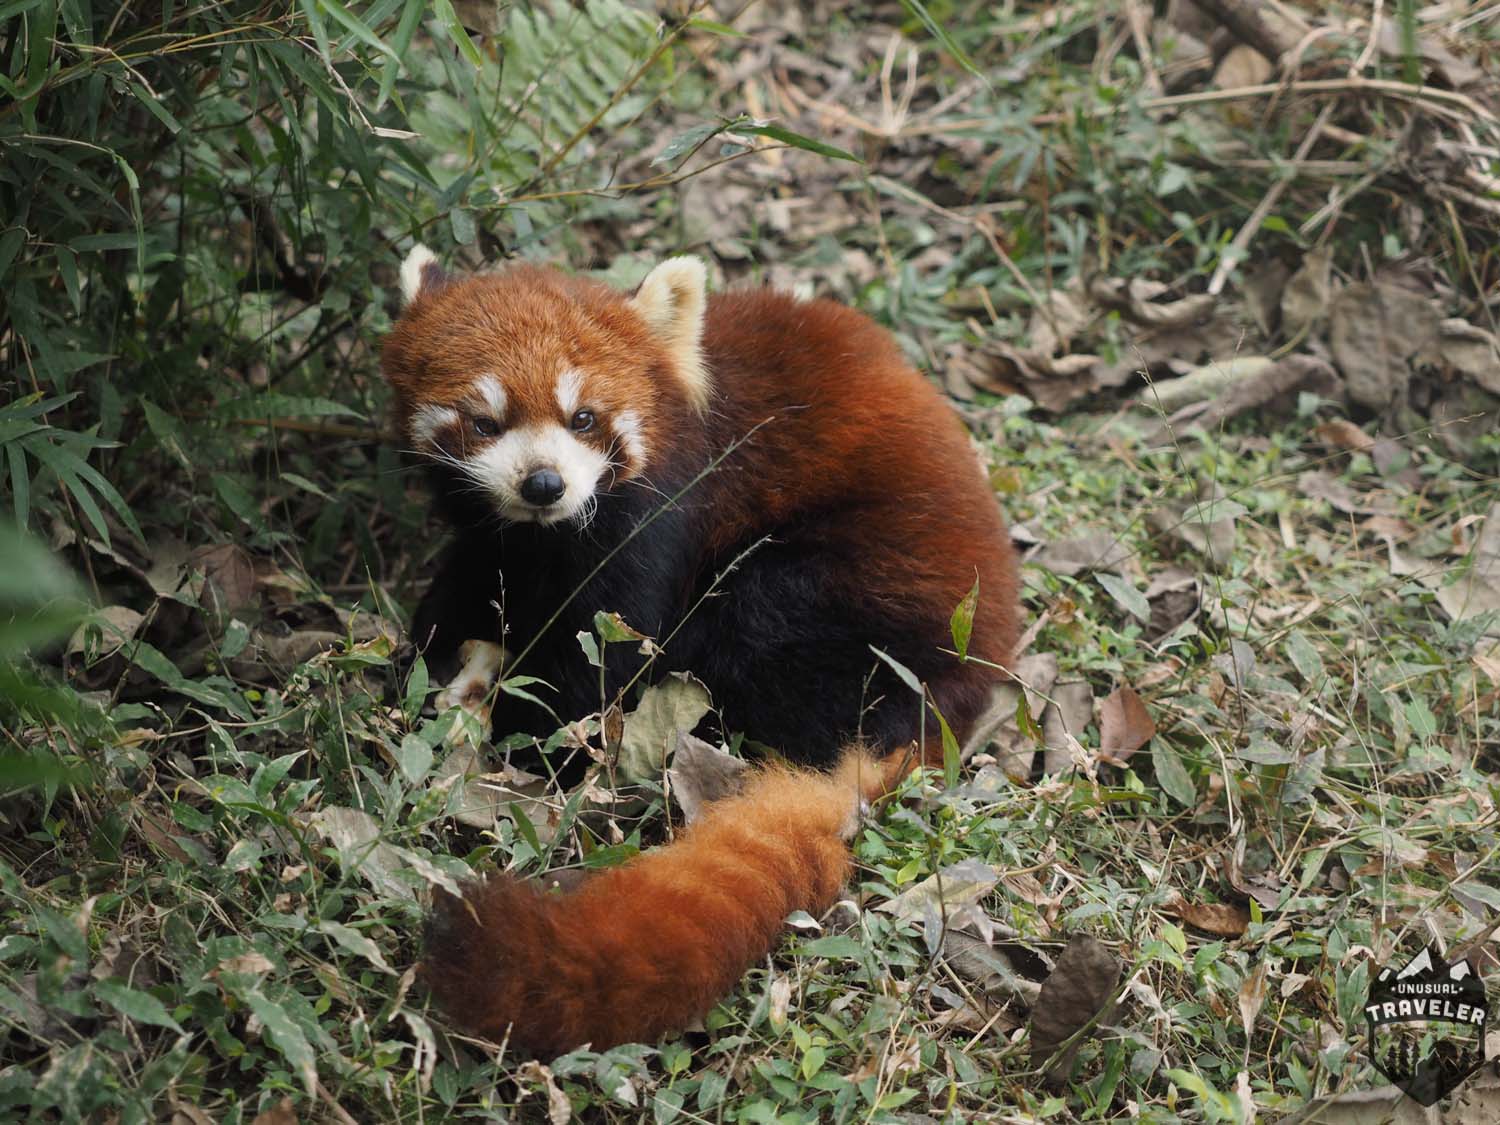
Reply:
x=486, y=427
x=583, y=421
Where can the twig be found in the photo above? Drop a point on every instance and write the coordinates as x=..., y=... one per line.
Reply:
x=1443, y=101
x=1140, y=31
x=1384, y=87
x=1241, y=242
x=1247, y=23
x=1448, y=191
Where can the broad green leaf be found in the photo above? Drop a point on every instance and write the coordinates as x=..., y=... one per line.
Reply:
x=686, y=142
x=465, y=231
x=11, y=242
x=287, y=1038
x=168, y=431
x=1304, y=658
x=135, y=1004
x=417, y=688
x=1131, y=600
x=414, y=756
x=612, y=629
x=590, y=646
x=1171, y=774
x=357, y=943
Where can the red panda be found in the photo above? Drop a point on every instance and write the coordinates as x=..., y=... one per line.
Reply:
x=765, y=487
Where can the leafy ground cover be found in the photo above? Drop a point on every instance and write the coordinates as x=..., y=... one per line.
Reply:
x=1216, y=297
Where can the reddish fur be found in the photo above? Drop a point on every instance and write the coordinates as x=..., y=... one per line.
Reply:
x=858, y=457
x=526, y=325
x=863, y=441
x=641, y=950
x=850, y=435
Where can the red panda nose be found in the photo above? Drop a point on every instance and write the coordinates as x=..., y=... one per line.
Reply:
x=542, y=487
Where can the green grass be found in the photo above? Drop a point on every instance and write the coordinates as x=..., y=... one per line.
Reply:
x=223, y=806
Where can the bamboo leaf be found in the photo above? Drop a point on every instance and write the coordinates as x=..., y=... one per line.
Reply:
x=443, y=9
x=797, y=140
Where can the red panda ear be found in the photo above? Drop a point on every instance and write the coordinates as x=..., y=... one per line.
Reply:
x=671, y=301
x=420, y=273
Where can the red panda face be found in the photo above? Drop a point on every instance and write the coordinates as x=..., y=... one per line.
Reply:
x=543, y=390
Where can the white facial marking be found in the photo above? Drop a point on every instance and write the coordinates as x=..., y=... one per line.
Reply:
x=507, y=461
x=492, y=391
x=426, y=421
x=569, y=387
x=627, y=426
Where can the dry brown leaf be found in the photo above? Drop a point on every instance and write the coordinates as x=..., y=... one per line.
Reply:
x=1271, y=389
x=1067, y=716
x=1264, y=284
x=1015, y=750
x=284, y=653
x=282, y=1113
x=781, y=1000
x=1315, y=484
x=1024, y=885
x=1343, y=434
x=955, y=885
x=559, y=1108
x=1450, y=70
x=1053, y=382
x=1135, y=298
x=1264, y=888
x=248, y=963
x=675, y=704
x=1472, y=351
x=1219, y=918
x=1202, y=384
x=1487, y=660
x=1305, y=299
x=228, y=579
x=117, y=624
x=1091, y=550
x=1124, y=725
x=1476, y=591
x=1252, y=995
x=1175, y=595
x=1241, y=66
x=158, y=836
x=1375, y=329
x=1212, y=538
x=1477, y=1101
x=981, y=963
x=701, y=774
x=1383, y=1105
x=1077, y=990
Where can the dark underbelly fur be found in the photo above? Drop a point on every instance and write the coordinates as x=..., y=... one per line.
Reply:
x=782, y=649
